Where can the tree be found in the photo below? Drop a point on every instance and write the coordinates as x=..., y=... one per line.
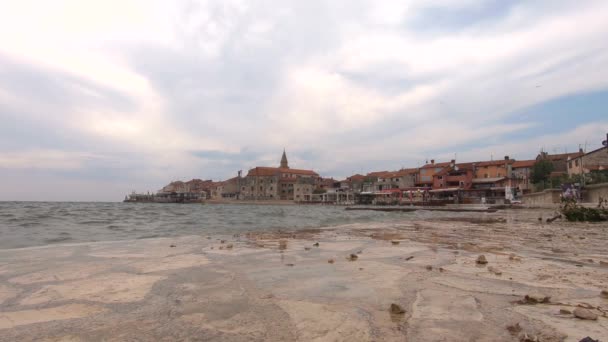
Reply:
x=541, y=171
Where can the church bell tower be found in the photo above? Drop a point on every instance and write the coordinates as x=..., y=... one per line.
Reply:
x=284, y=163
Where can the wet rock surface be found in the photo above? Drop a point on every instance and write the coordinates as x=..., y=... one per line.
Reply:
x=191, y=289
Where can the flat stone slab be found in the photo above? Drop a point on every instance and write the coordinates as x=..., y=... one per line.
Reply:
x=443, y=305
x=16, y=318
x=107, y=288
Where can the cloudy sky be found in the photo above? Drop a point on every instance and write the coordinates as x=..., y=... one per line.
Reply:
x=99, y=98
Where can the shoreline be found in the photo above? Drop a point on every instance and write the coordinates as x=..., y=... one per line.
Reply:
x=276, y=285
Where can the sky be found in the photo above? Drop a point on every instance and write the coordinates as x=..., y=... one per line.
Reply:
x=100, y=98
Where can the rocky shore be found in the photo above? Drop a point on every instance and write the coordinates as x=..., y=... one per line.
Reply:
x=504, y=276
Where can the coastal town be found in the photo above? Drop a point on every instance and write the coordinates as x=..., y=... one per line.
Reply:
x=503, y=181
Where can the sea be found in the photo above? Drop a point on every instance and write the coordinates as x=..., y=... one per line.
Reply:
x=28, y=224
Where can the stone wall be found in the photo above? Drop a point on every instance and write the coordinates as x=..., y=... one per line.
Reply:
x=593, y=192
x=549, y=196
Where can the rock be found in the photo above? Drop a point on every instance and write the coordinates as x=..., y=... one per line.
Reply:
x=588, y=339
x=306, y=248
x=441, y=269
x=316, y=244
x=584, y=314
x=172, y=246
x=291, y=265
x=330, y=261
x=229, y=246
x=514, y=257
x=481, y=260
x=527, y=338
x=565, y=312
x=535, y=299
x=429, y=267
x=604, y=293
x=359, y=252
x=353, y=257
x=494, y=270
x=223, y=241
x=409, y=258
x=221, y=247
x=395, y=242
x=396, y=309
x=360, y=268
x=603, y=263
x=514, y=329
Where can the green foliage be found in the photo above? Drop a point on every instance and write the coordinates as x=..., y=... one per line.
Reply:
x=541, y=171
x=574, y=212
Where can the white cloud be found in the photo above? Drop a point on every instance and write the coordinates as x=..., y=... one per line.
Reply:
x=346, y=82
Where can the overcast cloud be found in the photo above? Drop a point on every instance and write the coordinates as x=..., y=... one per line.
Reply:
x=101, y=98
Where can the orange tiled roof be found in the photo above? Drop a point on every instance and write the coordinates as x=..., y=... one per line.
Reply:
x=494, y=162
x=554, y=157
x=523, y=163
x=274, y=171
x=444, y=164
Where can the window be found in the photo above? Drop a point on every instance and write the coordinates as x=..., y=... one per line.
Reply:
x=261, y=188
x=243, y=188
x=576, y=162
x=270, y=188
x=499, y=174
x=570, y=163
x=485, y=175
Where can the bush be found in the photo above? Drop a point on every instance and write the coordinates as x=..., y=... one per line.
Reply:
x=574, y=212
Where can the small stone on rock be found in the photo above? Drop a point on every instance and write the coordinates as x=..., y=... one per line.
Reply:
x=330, y=261
x=172, y=246
x=396, y=309
x=316, y=244
x=429, y=268
x=290, y=265
x=514, y=329
x=604, y=293
x=588, y=339
x=409, y=258
x=353, y=257
x=565, y=312
x=481, y=260
x=229, y=246
x=306, y=248
x=395, y=242
x=585, y=314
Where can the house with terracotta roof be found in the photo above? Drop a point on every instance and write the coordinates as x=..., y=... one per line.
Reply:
x=559, y=161
x=279, y=183
x=425, y=174
x=521, y=175
x=401, y=179
x=596, y=160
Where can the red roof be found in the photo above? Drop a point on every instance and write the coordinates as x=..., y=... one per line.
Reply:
x=494, y=162
x=380, y=174
x=427, y=166
x=275, y=171
x=524, y=163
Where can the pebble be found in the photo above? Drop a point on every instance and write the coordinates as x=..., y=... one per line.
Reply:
x=494, y=270
x=316, y=244
x=229, y=246
x=584, y=314
x=395, y=242
x=291, y=265
x=565, y=312
x=409, y=258
x=353, y=257
x=330, y=261
x=429, y=268
x=604, y=293
x=172, y=246
x=481, y=260
x=396, y=309
x=306, y=248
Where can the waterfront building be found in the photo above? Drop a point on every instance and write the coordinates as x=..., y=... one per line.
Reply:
x=279, y=183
